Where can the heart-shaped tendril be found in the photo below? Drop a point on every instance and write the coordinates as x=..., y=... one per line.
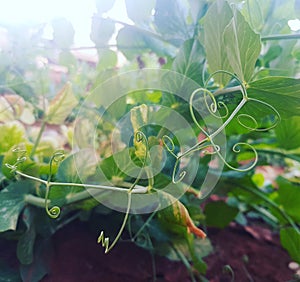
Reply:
x=237, y=149
x=54, y=211
x=255, y=128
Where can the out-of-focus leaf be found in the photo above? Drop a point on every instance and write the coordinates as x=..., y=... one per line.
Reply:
x=253, y=12
x=62, y=105
x=35, y=271
x=26, y=241
x=104, y=5
x=11, y=107
x=219, y=214
x=190, y=60
x=107, y=59
x=63, y=32
x=289, y=197
x=171, y=20
x=288, y=133
x=281, y=92
x=131, y=42
x=197, y=9
x=102, y=30
x=11, y=204
x=140, y=11
x=242, y=46
x=12, y=133
x=67, y=59
x=213, y=38
x=290, y=240
x=7, y=273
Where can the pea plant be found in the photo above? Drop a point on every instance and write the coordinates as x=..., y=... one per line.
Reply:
x=207, y=98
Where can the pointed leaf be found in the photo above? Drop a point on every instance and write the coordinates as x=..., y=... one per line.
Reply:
x=190, y=60
x=288, y=133
x=289, y=197
x=290, y=240
x=213, y=38
x=242, y=46
x=62, y=105
x=11, y=204
x=281, y=92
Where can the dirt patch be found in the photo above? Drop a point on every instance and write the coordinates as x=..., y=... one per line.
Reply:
x=254, y=255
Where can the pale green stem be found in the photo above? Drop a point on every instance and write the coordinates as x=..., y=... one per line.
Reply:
x=136, y=190
x=35, y=201
x=38, y=139
x=281, y=37
x=272, y=204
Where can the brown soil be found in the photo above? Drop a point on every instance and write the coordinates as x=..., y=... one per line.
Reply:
x=253, y=254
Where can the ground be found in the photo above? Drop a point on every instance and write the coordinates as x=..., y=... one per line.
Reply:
x=254, y=254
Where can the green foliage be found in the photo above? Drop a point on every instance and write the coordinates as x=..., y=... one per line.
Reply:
x=238, y=58
x=290, y=240
x=219, y=214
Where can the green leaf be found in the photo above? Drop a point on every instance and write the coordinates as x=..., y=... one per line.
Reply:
x=12, y=133
x=213, y=39
x=67, y=59
x=290, y=240
x=288, y=133
x=242, y=46
x=62, y=105
x=190, y=60
x=170, y=20
x=35, y=271
x=197, y=9
x=281, y=92
x=253, y=12
x=77, y=167
x=140, y=11
x=8, y=273
x=26, y=241
x=102, y=30
x=63, y=32
x=11, y=204
x=219, y=214
x=107, y=59
x=131, y=42
x=289, y=197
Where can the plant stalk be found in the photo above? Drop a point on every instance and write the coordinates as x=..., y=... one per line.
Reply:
x=281, y=37
x=38, y=139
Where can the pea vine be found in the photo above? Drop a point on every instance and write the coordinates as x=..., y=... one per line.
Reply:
x=141, y=144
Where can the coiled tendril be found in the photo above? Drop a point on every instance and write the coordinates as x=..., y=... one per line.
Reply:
x=102, y=239
x=54, y=211
x=212, y=109
x=20, y=159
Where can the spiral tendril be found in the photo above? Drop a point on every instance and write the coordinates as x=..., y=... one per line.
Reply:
x=20, y=159
x=102, y=239
x=54, y=211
